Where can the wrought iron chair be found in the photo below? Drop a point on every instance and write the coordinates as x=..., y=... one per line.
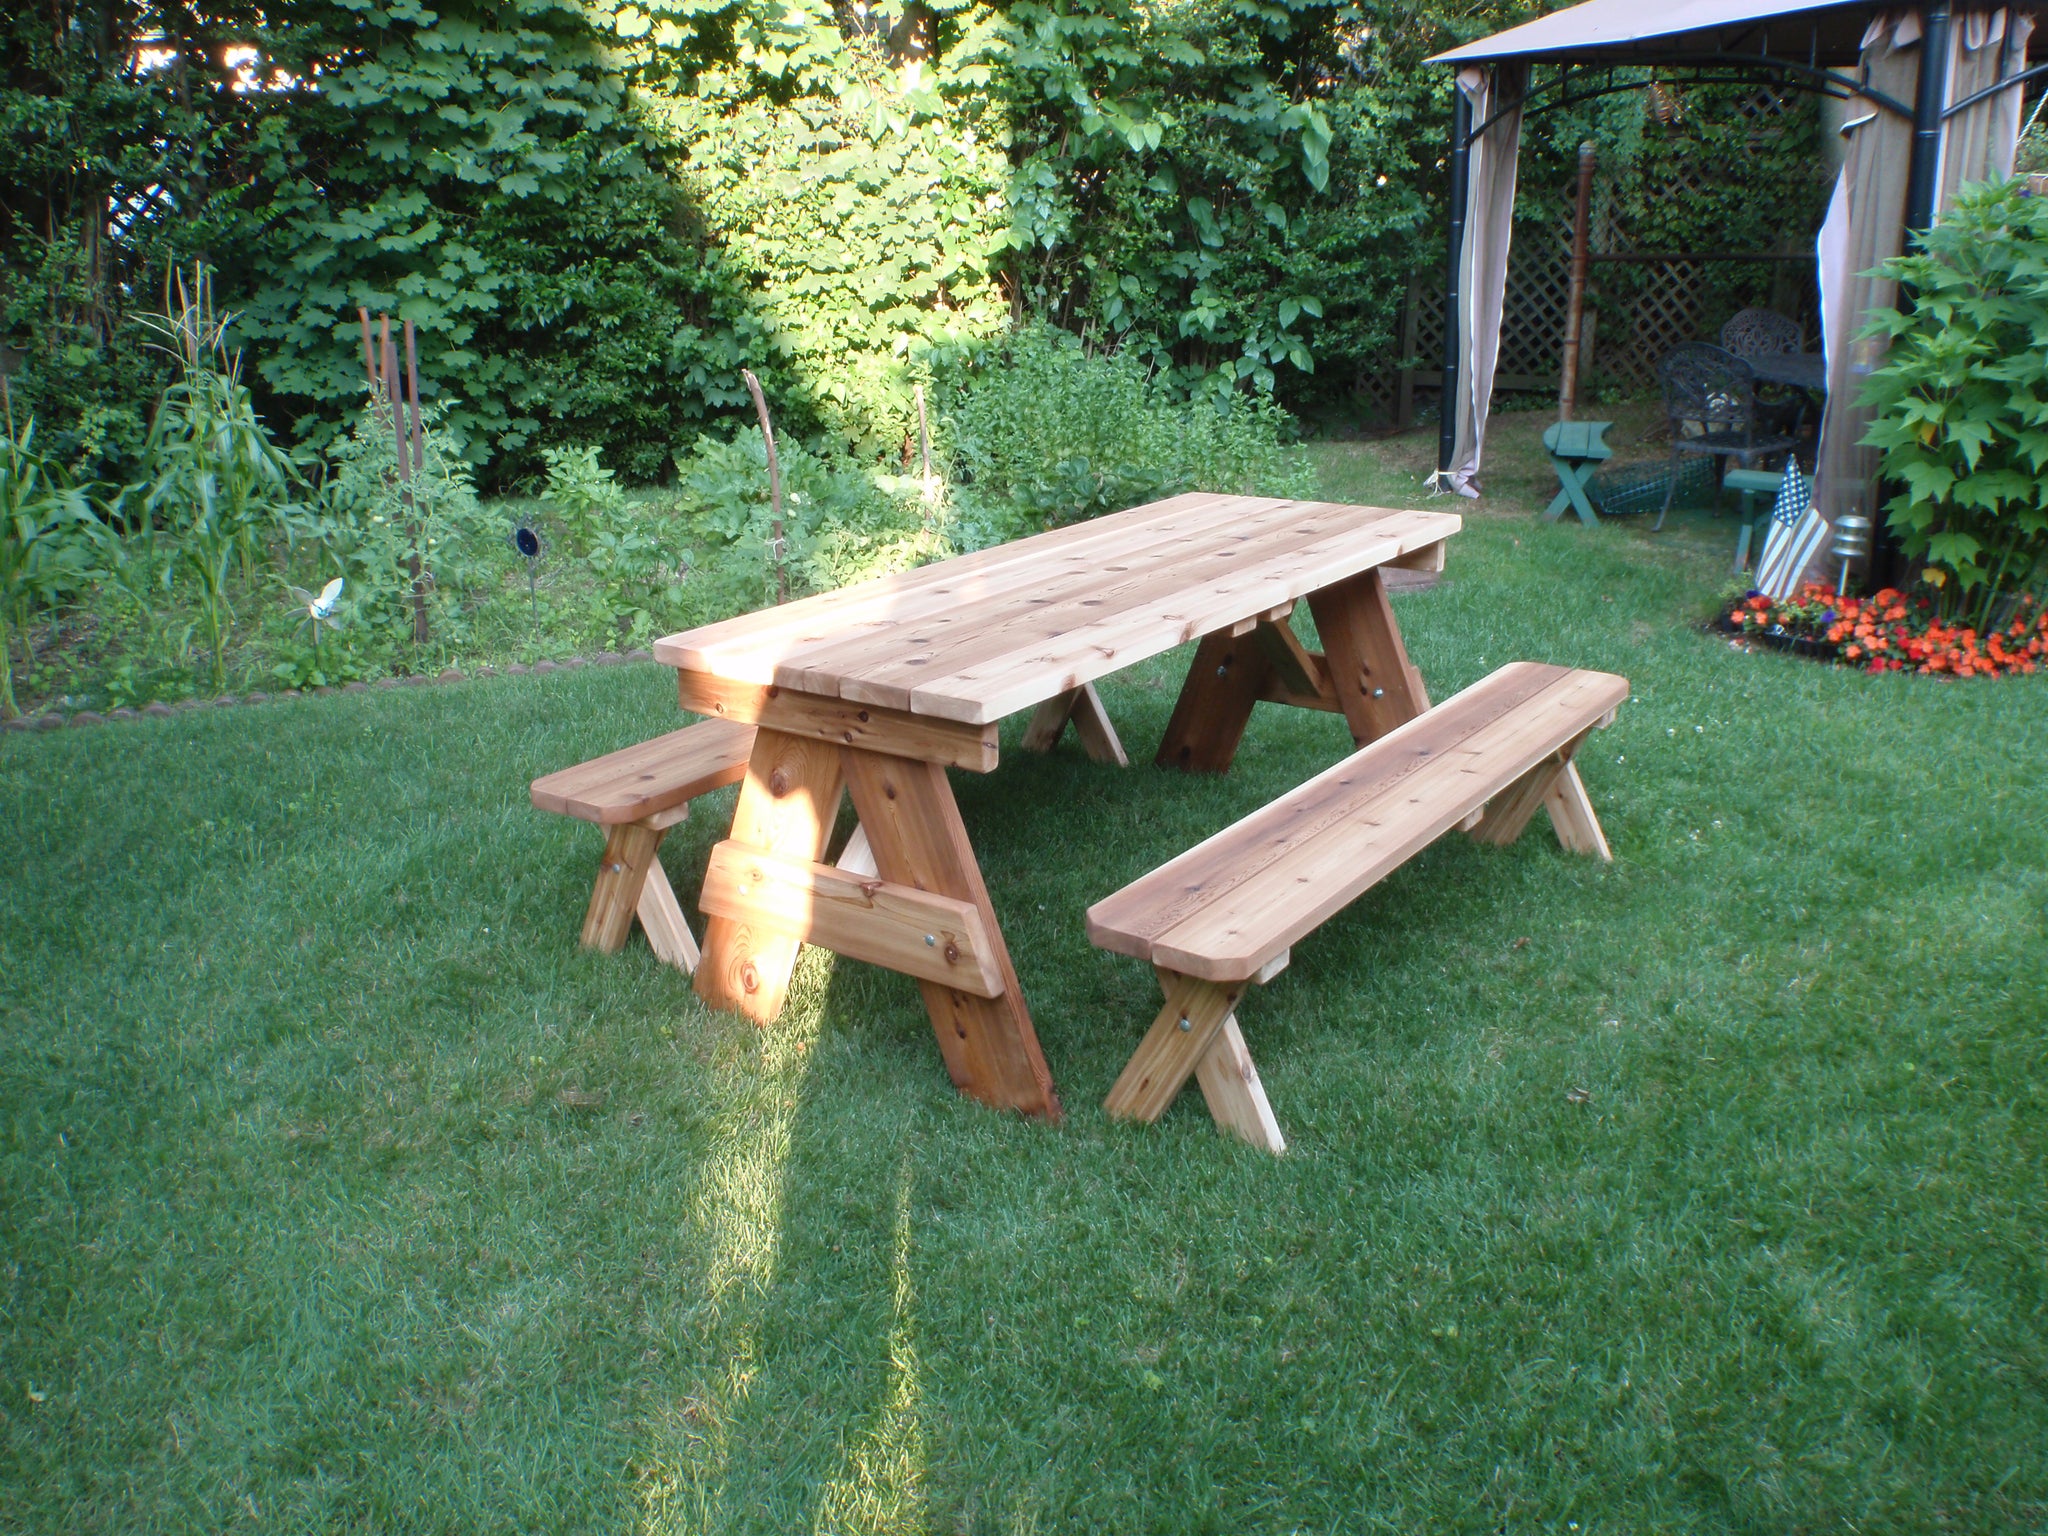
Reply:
x=1759, y=333
x=1766, y=333
x=1712, y=392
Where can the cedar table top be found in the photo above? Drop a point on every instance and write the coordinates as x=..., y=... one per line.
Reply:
x=983, y=635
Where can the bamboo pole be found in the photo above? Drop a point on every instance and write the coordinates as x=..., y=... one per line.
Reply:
x=413, y=447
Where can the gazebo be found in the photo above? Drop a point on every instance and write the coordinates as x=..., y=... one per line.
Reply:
x=1932, y=92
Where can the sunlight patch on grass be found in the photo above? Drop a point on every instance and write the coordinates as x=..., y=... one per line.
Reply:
x=883, y=1486
x=737, y=1220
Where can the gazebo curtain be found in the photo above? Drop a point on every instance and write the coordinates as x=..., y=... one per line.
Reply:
x=1866, y=217
x=1483, y=263
x=1865, y=223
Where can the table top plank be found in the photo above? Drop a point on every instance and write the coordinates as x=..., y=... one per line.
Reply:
x=1013, y=681
x=980, y=636
x=735, y=647
x=971, y=638
x=955, y=622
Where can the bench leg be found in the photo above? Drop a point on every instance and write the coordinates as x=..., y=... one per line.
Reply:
x=1508, y=812
x=1571, y=815
x=1083, y=706
x=857, y=858
x=1553, y=785
x=787, y=805
x=1236, y=1097
x=1215, y=705
x=1377, y=688
x=1196, y=1035
x=629, y=853
x=661, y=919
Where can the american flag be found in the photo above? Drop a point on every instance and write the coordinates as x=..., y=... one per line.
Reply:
x=1797, y=531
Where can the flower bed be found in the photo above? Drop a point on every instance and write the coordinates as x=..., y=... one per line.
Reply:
x=1892, y=632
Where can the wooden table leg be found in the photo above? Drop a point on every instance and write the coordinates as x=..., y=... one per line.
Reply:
x=1082, y=706
x=1377, y=688
x=914, y=829
x=787, y=805
x=1224, y=681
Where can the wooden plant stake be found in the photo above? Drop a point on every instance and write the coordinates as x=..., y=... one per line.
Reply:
x=924, y=446
x=774, y=486
x=390, y=395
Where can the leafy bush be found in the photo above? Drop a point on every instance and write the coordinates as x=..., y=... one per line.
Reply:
x=580, y=489
x=1962, y=401
x=1041, y=432
x=840, y=522
x=374, y=527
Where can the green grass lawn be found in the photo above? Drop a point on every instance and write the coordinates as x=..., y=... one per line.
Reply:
x=1700, y=1192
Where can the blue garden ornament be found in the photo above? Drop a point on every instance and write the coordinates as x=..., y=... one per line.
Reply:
x=525, y=539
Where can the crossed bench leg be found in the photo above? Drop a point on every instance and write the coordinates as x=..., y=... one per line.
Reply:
x=631, y=884
x=1196, y=1032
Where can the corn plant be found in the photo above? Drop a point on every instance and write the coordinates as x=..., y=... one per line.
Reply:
x=216, y=482
x=50, y=544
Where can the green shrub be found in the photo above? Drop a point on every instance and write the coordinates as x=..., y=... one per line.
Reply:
x=1962, y=402
x=373, y=528
x=580, y=489
x=841, y=522
x=1042, y=432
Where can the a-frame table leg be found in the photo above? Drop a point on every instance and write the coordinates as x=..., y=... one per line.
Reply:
x=787, y=805
x=1083, y=707
x=917, y=838
x=1377, y=687
x=1215, y=704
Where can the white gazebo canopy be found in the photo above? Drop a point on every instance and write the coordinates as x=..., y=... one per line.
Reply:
x=1634, y=32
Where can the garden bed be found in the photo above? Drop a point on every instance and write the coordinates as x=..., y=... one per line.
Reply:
x=1891, y=631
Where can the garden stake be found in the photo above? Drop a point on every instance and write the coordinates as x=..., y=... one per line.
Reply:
x=417, y=447
x=924, y=444
x=774, y=485
x=526, y=540
x=389, y=394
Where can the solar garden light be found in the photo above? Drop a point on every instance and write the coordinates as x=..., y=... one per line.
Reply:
x=1852, y=543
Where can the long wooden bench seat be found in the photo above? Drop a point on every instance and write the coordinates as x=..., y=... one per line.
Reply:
x=1226, y=913
x=636, y=795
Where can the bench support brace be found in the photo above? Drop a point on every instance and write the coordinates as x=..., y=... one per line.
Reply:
x=1553, y=785
x=1196, y=1035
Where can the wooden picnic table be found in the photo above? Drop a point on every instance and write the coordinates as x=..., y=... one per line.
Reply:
x=878, y=689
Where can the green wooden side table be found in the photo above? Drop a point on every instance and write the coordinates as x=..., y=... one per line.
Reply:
x=1752, y=483
x=1576, y=449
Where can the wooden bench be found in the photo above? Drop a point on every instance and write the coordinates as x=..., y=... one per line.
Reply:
x=636, y=795
x=1226, y=913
